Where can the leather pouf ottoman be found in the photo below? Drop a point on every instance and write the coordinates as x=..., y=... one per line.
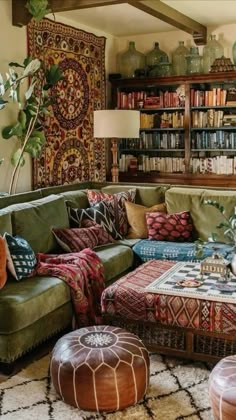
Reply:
x=222, y=389
x=100, y=368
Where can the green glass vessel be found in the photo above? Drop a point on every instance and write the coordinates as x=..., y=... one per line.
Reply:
x=212, y=50
x=153, y=57
x=178, y=59
x=131, y=60
x=194, y=61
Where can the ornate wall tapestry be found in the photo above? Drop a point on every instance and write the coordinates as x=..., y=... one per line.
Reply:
x=71, y=154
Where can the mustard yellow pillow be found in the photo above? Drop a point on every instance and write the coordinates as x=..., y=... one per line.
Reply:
x=137, y=220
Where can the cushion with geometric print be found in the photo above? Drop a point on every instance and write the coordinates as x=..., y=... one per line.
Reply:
x=99, y=214
x=21, y=259
x=176, y=227
x=3, y=262
x=116, y=205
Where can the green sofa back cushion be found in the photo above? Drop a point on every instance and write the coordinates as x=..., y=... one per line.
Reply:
x=205, y=217
x=77, y=199
x=8, y=200
x=146, y=195
x=5, y=223
x=33, y=221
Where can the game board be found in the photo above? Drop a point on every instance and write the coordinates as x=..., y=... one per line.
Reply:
x=212, y=288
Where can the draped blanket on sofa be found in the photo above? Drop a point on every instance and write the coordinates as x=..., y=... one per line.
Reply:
x=83, y=271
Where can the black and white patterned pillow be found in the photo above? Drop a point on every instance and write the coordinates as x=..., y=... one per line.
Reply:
x=21, y=259
x=99, y=214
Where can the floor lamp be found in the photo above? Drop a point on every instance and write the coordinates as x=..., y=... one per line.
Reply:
x=116, y=124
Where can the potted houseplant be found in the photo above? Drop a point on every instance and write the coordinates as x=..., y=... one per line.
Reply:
x=32, y=107
x=228, y=224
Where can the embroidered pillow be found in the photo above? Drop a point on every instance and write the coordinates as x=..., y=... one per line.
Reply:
x=3, y=263
x=74, y=240
x=176, y=227
x=99, y=214
x=137, y=220
x=103, y=237
x=21, y=259
x=116, y=206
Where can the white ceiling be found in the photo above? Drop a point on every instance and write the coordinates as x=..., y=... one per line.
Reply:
x=123, y=20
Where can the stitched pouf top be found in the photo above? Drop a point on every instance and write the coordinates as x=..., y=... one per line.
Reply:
x=222, y=389
x=100, y=368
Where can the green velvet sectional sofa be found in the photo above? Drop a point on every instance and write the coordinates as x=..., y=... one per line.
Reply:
x=36, y=308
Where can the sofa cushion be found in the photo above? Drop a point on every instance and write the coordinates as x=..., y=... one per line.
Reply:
x=205, y=217
x=74, y=240
x=185, y=251
x=3, y=262
x=146, y=194
x=116, y=206
x=21, y=259
x=170, y=227
x=77, y=199
x=23, y=303
x=116, y=259
x=99, y=214
x=5, y=222
x=33, y=221
x=137, y=220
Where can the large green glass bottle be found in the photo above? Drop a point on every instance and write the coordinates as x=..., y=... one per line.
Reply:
x=131, y=60
x=179, y=59
x=212, y=50
x=153, y=57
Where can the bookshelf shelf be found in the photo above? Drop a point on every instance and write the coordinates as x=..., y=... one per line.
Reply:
x=198, y=148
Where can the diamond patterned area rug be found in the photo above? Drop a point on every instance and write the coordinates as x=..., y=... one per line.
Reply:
x=178, y=390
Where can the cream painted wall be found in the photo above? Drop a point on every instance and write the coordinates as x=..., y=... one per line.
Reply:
x=14, y=48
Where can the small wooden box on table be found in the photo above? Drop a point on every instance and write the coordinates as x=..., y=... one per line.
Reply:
x=197, y=323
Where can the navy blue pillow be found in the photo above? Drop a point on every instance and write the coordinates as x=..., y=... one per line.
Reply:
x=98, y=213
x=21, y=259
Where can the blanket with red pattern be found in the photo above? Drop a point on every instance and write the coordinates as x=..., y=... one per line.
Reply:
x=83, y=271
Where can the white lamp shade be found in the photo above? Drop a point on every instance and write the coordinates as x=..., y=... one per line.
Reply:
x=116, y=123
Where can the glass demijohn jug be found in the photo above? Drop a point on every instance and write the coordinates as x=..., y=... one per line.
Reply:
x=178, y=59
x=153, y=57
x=212, y=50
x=130, y=61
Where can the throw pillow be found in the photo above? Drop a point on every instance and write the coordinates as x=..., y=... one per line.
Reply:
x=99, y=214
x=116, y=206
x=21, y=259
x=3, y=262
x=103, y=236
x=137, y=220
x=176, y=227
x=74, y=240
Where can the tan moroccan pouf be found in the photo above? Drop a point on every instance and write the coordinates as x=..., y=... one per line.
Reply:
x=100, y=368
x=222, y=389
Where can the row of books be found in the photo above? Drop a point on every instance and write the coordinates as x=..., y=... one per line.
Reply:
x=146, y=163
x=213, y=140
x=164, y=120
x=213, y=97
x=142, y=99
x=209, y=118
x=154, y=140
x=220, y=165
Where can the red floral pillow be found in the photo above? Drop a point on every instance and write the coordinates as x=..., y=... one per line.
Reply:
x=116, y=206
x=176, y=227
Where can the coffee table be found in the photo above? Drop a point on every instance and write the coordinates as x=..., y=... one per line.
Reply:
x=197, y=323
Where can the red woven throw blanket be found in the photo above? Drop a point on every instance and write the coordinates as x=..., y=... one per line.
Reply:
x=83, y=271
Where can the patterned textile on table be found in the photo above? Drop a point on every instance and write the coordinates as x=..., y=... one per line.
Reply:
x=147, y=250
x=83, y=271
x=129, y=299
x=71, y=153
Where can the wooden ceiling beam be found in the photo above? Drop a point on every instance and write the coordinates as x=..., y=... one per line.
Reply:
x=21, y=16
x=169, y=15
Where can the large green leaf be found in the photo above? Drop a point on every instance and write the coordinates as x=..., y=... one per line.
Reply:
x=38, y=8
x=16, y=157
x=30, y=90
x=38, y=136
x=53, y=75
x=13, y=64
x=22, y=118
x=12, y=130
